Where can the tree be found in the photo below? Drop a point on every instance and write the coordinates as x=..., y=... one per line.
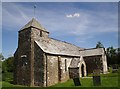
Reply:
x=112, y=56
x=99, y=45
x=1, y=56
x=118, y=56
x=7, y=65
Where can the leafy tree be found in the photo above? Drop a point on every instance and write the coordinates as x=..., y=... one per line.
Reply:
x=112, y=55
x=0, y=64
x=118, y=56
x=1, y=56
x=7, y=65
x=99, y=45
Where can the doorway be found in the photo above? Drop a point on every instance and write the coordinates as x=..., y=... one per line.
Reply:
x=82, y=70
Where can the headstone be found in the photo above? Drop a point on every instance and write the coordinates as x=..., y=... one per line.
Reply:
x=96, y=78
x=76, y=81
x=74, y=74
x=96, y=81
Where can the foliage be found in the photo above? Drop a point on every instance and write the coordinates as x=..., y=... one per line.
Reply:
x=8, y=77
x=0, y=64
x=7, y=65
x=1, y=57
x=113, y=56
x=99, y=45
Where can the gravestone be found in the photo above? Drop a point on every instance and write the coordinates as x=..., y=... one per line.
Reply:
x=76, y=81
x=96, y=78
x=74, y=74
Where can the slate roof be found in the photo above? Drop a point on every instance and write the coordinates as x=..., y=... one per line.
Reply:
x=34, y=23
x=92, y=52
x=52, y=46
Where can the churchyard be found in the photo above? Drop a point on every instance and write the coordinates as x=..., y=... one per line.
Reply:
x=107, y=80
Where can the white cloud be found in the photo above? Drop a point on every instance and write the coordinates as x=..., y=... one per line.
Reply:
x=73, y=15
x=69, y=16
x=76, y=15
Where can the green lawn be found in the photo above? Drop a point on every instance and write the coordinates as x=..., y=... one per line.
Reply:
x=8, y=84
x=107, y=80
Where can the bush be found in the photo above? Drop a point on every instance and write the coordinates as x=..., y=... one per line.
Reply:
x=8, y=76
x=110, y=69
x=7, y=65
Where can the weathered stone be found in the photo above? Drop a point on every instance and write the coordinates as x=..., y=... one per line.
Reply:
x=96, y=80
x=74, y=72
x=77, y=81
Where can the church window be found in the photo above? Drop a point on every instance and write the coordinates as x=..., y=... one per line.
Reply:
x=65, y=65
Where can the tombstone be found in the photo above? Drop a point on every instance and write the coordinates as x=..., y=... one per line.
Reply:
x=74, y=74
x=115, y=68
x=96, y=78
x=76, y=81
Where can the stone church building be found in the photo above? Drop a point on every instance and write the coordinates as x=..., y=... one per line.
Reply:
x=44, y=61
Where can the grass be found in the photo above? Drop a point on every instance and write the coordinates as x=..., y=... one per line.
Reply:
x=107, y=80
x=8, y=80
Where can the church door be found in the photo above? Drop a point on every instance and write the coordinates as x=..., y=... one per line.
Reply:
x=82, y=70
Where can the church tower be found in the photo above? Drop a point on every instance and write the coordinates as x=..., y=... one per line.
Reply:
x=24, y=55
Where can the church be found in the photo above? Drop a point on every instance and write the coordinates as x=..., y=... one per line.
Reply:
x=43, y=61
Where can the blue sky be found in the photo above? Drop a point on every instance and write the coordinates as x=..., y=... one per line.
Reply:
x=81, y=23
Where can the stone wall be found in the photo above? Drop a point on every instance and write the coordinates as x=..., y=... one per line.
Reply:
x=64, y=68
x=39, y=33
x=104, y=61
x=93, y=63
x=52, y=70
x=38, y=66
x=22, y=61
x=57, y=69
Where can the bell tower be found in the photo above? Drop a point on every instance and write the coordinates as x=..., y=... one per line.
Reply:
x=38, y=31
x=24, y=55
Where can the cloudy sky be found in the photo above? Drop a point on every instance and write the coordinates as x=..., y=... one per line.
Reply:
x=81, y=23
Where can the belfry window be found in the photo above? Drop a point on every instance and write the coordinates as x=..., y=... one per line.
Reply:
x=65, y=65
x=24, y=60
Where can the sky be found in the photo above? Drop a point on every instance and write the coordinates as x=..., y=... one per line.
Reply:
x=80, y=23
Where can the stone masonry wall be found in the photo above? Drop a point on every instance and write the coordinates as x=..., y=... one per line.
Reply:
x=57, y=69
x=65, y=71
x=22, y=60
x=39, y=33
x=93, y=63
x=52, y=70
x=38, y=66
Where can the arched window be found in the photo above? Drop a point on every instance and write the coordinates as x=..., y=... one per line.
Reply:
x=65, y=64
